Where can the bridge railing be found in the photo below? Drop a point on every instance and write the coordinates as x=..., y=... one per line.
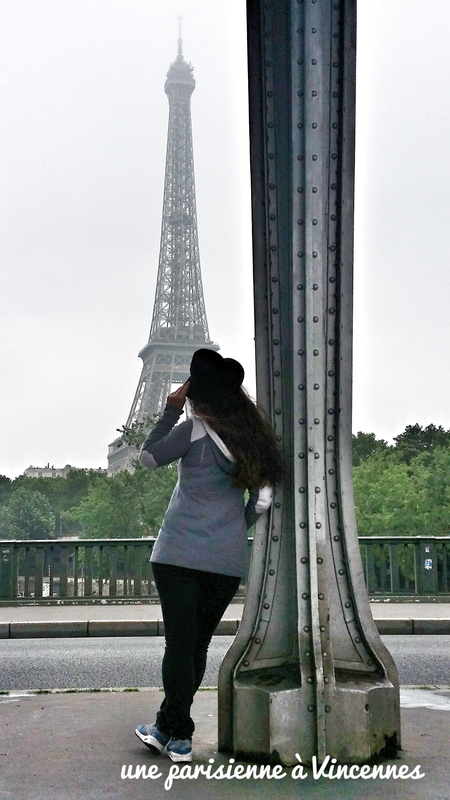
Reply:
x=108, y=570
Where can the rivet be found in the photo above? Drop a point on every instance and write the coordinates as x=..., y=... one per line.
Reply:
x=271, y=572
x=314, y=254
x=314, y=222
x=300, y=62
x=324, y=654
x=316, y=386
x=274, y=538
x=276, y=341
x=301, y=421
x=271, y=186
x=300, y=285
x=311, y=449
x=341, y=572
x=309, y=680
x=300, y=125
x=278, y=411
x=330, y=438
x=316, y=421
x=310, y=708
x=333, y=505
x=307, y=653
x=300, y=253
x=357, y=639
x=331, y=373
x=266, y=605
x=348, y=605
x=314, y=189
x=299, y=222
x=277, y=373
x=300, y=189
x=271, y=155
x=317, y=489
x=315, y=286
x=314, y=158
x=313, y=30
x=320, y=560
x=336, y=94
x=269, y=94
x=275, y=311
x=314, y=125
x=331, y=410
x=299, y=319
x=246, y=663
x=335, y=64
x=319, y=525
x=301, y=352
x=315, y=319
x=314, y=94
x=272, y=216
x=304, y=560
x=302, y=490
x=331, y=342
x=333, y=217
x=316, y=455
x=306, y=629
x=300, y=94
x=333, y=156
x=301, y=455
x=314, y=61
x=277, y=505
x=331, y=471
x=321, y=596
x=328, y=709
x=322, y=629
x=334, y=125
x=270, y=124
x=279, y=438
x=333, y=186
x=305, y=596
x=370, y=662
x=331, y=310
x=301, y=386
x=258, y=641
x=332, y=248
x=336, y=538
x=315, y=352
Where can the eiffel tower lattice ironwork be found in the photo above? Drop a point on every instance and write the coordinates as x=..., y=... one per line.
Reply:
x=179, y=325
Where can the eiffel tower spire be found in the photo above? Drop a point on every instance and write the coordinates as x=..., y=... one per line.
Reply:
x=179, y=325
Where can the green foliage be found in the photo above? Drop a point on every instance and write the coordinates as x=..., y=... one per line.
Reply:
x=27, y=514
x=127, y=505
x=365, y=444
x=136, y=433
x=416, y=440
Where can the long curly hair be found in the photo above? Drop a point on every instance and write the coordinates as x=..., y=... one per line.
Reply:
x=248, y=436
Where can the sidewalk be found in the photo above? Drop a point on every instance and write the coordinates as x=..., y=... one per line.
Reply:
x=144, y=619
x=68, y=746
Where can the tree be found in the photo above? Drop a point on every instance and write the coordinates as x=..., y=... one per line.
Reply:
x=364, y=444
x=27, y=515
x=415, y=440
x=127, y=505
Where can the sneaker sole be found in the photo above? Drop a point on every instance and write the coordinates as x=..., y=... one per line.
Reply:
x=179, y=756
x=151, y=742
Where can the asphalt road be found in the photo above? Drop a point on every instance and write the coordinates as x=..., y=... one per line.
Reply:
x=136, y=661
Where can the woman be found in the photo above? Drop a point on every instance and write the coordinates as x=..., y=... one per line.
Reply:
x=199, y=556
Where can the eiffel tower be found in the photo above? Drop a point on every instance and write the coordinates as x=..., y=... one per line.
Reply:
x=179, y=325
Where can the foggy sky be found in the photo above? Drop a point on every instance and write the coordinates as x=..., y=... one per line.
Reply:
x=83, y=127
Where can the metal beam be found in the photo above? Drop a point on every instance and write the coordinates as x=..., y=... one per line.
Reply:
x=307, y=673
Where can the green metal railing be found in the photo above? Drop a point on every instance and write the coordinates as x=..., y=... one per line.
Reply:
x=102, y=570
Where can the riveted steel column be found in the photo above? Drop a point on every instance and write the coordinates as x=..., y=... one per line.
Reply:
x=307, y=672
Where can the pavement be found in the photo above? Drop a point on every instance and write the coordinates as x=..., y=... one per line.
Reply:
x=68, y=746
x=145, y=619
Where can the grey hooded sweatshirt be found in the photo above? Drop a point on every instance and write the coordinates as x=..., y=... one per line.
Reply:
x=205, y=525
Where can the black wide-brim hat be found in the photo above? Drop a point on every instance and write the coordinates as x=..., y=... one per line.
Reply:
x=214, y=378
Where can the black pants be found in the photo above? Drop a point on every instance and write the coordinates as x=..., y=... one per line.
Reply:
x=192, y=603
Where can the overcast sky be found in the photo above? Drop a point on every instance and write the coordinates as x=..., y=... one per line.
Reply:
x=83, y=126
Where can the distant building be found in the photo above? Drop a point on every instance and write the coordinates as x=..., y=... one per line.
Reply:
x=52, y=471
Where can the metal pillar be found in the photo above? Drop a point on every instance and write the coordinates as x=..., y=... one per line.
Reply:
x=307, y=673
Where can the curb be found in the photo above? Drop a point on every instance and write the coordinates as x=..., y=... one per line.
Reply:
x=98, y=627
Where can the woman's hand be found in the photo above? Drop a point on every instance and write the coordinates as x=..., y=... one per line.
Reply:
x=178, y=397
